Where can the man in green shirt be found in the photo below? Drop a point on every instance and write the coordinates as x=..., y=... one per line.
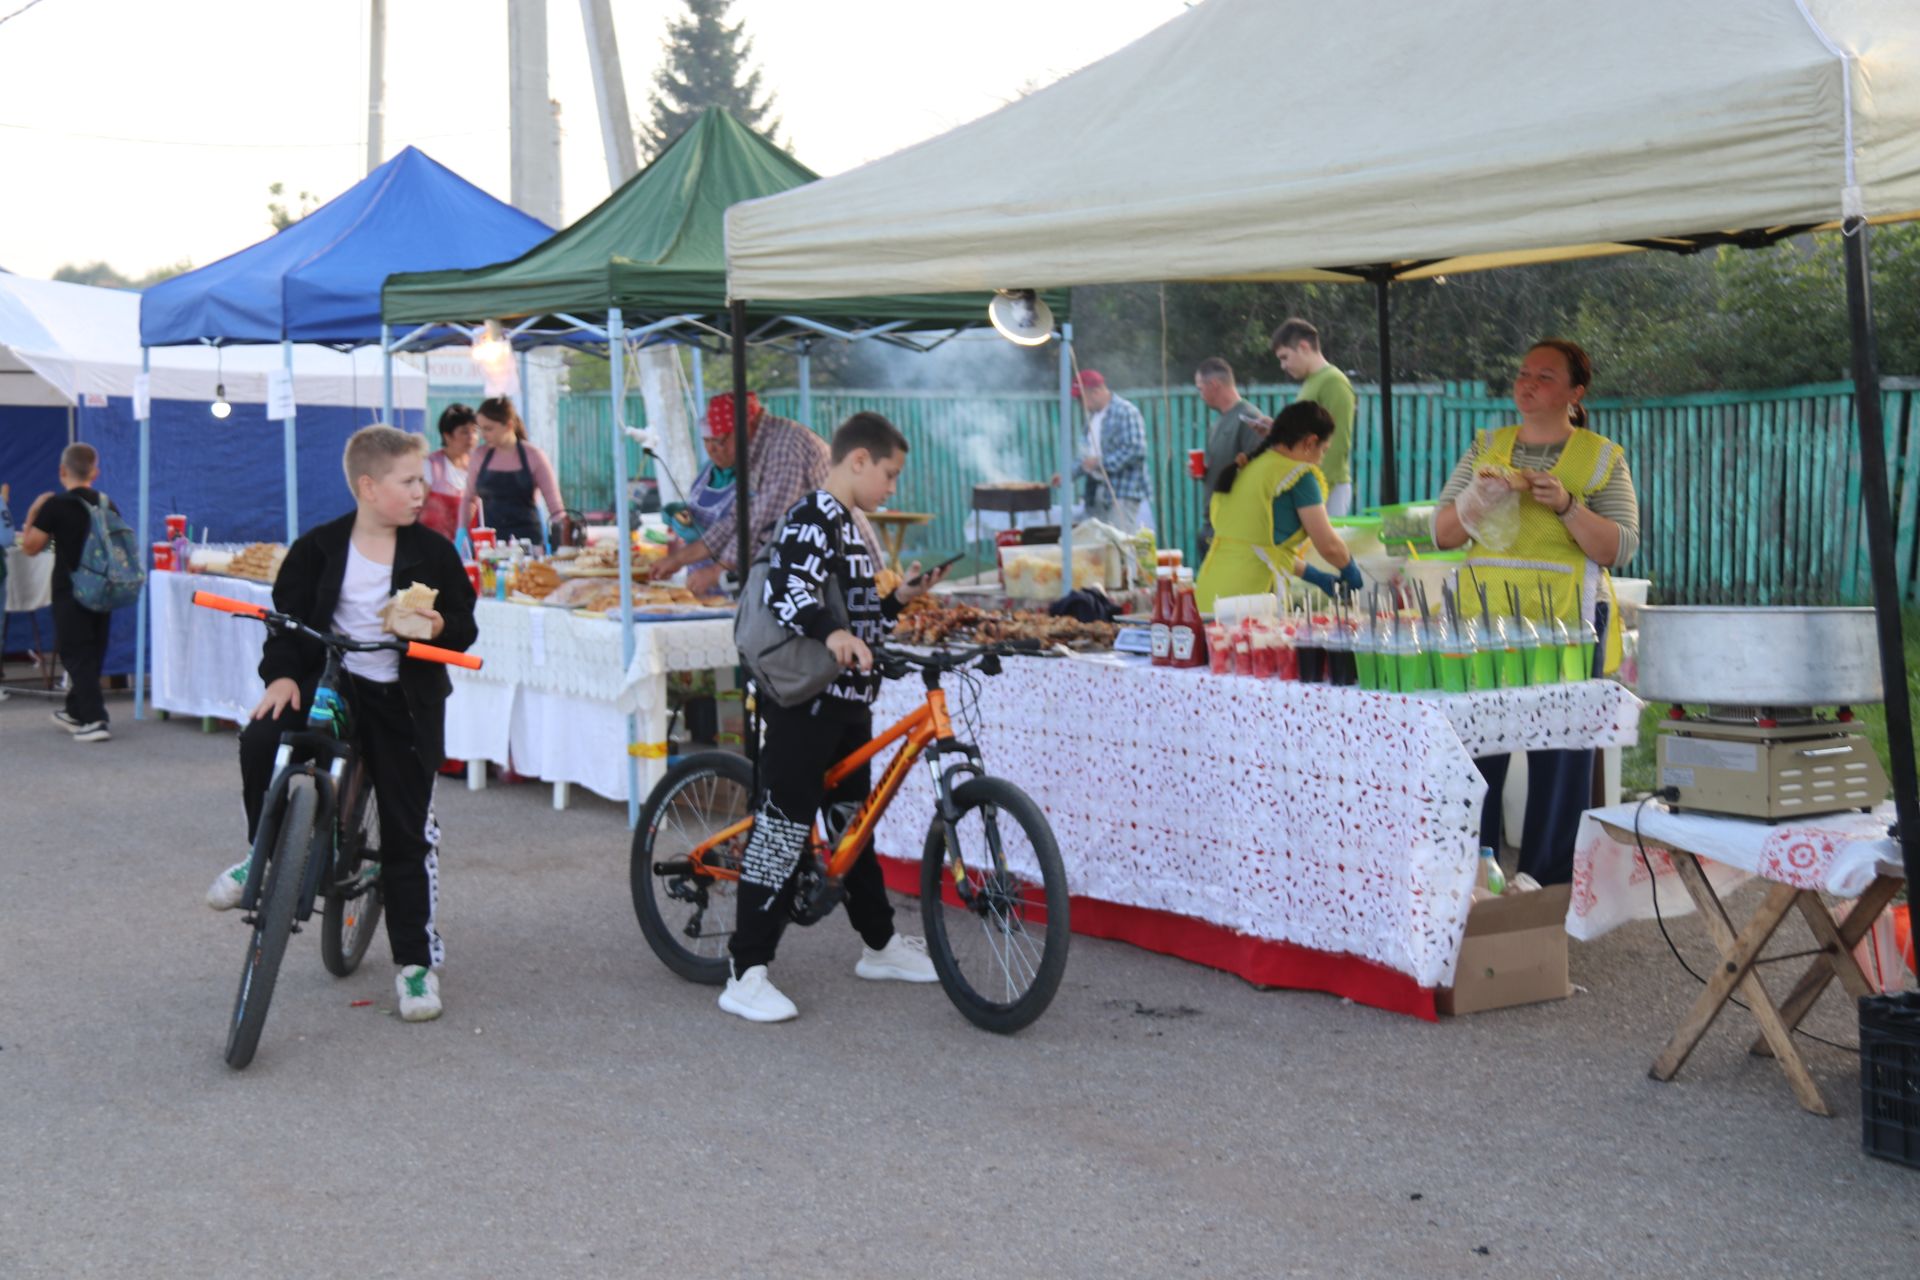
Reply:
x=1236, y=432
x=1297, y=344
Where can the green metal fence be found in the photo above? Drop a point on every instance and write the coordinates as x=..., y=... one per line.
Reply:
x=1746, y=497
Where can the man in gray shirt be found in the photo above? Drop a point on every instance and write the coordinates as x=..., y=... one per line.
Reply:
x=1238, y=430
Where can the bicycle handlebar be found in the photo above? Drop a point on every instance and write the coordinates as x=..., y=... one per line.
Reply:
x=409, y=648
x=956, y=659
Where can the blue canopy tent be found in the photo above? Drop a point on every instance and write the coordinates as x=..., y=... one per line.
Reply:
x=319, y=281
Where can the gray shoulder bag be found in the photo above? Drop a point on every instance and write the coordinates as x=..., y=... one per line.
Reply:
x=790, y=668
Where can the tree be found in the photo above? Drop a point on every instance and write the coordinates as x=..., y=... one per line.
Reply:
x=278, y=212
x=706, y=66
x=103, y=276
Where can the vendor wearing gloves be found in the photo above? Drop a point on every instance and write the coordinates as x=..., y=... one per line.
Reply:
x=1265, y=510
x=712, y=496
x=1551, y=503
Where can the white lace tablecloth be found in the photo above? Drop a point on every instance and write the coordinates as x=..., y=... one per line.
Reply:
x=29, y=581
x=1840, y=854
x=1329, y=818
x=205, y=663
x=553, y=651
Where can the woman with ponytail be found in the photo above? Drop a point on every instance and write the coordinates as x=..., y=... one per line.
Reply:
x=1578, y=518
x=1265, y=509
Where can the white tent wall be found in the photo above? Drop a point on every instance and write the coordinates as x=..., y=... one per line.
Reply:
x=1257, y=139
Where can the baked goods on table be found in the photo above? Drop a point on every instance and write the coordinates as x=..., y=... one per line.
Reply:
x=935, y=620
x=602, y=560
x=537, y=580
x=259, y=561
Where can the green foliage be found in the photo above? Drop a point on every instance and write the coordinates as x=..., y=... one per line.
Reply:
x=706, y=66
x=1656, y=323
x=102, y=275
x=281, y=214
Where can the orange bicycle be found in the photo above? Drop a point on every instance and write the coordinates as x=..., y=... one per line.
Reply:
x=993, y=893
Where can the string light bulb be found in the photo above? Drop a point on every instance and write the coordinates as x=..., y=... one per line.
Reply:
x=220, y=408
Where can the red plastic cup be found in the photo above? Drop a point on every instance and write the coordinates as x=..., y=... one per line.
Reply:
x=1197, y=463
x=176, y=527
x=163, y=556
x=1219, y=650
x=473, y=574
x=481, y=537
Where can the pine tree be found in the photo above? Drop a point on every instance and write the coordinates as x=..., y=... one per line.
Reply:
x=706, y=66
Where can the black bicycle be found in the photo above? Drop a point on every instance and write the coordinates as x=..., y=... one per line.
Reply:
x=318, y=834
x=993, y=891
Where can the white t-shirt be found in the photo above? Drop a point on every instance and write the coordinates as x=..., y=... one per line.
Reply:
x=364, y=592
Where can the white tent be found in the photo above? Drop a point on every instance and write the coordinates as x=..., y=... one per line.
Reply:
x=60, y=343
x=1271, y=139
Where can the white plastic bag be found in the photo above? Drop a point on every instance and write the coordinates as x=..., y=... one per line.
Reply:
x=1489, y=510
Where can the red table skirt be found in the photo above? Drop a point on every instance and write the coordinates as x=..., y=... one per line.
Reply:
x=1260, y=961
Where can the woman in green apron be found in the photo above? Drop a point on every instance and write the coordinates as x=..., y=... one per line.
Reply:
x=1265, y=510
x=1579, y=517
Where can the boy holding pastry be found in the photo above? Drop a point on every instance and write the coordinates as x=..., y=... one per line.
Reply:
x=373, y=573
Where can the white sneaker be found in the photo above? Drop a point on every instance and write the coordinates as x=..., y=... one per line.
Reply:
x=95, y=732
x=419, y=990
x=755, y=998
x=903, y=959
x=224, y=894
x=67, y=722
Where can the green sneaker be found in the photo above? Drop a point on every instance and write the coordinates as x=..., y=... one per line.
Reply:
x=229, y=885
x=419, y=990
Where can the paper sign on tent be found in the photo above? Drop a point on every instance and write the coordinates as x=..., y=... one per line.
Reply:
x=279, y=395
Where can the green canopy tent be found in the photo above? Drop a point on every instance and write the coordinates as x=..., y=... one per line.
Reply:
x=648, y=266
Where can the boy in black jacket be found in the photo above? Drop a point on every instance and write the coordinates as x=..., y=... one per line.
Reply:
x=339, y=577
x=819, y=541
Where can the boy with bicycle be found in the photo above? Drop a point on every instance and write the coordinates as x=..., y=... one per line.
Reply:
x=339, y=577
x=819, y=541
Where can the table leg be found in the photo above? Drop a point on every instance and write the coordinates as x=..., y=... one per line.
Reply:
x=562, y=794
x=1839, y=940
x=476, y=775
x=1738, y=953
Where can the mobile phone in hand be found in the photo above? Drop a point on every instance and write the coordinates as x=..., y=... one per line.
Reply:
x=924, y=574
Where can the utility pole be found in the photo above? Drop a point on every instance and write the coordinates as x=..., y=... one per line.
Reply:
x=376, y=83
x=609, y=91
x=536, y=169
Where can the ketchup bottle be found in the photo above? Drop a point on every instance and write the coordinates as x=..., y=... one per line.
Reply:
x=1161, y=627
x=1189, y=633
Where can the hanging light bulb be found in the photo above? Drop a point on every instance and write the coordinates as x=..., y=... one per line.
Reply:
x=220, y=408
x=491, y=350
x=1020, y=316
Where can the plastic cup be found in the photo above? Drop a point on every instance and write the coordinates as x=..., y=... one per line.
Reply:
x=176, y=527
x=482, y=538
x=1543, y=665
x=1219, y=650
x=1513, y=669
x=473, y=574
x=1484, y=671
x=1197, y=463
x=1575, y=662
x=163, y=557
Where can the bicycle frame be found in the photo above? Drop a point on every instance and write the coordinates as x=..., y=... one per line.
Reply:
x=926, y=727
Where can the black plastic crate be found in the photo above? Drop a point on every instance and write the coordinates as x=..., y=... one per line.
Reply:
x=1890, y=1077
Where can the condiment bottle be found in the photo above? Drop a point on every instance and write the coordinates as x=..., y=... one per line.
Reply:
x=1159, y=629
x=1189, y=633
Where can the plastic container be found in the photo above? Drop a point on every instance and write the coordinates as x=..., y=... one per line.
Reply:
x=1220, y=653
x=1033, y=573
x=1483, y=647
x=1890, y=1077
x=162, y=557
x=1407, y=523
x=1310, y=646
x=1452, y=657
x=1589, y=643
x=176, y=527
x=1491, y=877
x=1366, y=646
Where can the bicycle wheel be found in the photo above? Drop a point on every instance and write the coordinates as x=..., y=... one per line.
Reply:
x=995, y=909
x=273, y=920
x=687, y=917
x=350, y=914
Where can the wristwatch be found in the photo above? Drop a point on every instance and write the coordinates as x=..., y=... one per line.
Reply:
x=1573, y=501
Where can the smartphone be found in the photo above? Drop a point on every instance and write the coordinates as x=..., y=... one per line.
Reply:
x=917, y=578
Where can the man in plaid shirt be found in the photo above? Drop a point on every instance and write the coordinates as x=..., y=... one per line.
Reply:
x=785, y=463
x=1114, y=472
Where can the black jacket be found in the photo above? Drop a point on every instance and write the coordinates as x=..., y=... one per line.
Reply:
x=308, y=588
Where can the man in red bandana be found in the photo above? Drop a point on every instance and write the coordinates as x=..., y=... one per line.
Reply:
x=785, y=463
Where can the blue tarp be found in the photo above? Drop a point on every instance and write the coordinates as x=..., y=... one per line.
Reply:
x=31, y=439
x=319, y=280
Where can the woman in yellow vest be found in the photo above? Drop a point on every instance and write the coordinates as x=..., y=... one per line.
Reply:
x=1579, y=517
x=1264, y=510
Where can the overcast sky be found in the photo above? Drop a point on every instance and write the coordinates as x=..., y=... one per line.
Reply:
x=142, y=132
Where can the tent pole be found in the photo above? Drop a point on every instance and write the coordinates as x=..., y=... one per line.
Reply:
x=146, y=585
x=1389, y=464
x=806, y=385
x=1069, y=465
x=742, y=480
x=623, y=523
x=1886, y=587
x=699, y=383
x=386, y=375
x=292, y=452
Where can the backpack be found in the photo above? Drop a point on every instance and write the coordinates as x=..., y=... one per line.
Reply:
x=790, y=668
x=109, y=575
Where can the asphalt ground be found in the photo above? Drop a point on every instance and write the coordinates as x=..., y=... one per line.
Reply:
x=580, y=1111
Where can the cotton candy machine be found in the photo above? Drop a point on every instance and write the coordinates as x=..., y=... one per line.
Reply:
x=1772, y=735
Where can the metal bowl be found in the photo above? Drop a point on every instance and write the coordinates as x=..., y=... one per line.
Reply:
x=1788, y=657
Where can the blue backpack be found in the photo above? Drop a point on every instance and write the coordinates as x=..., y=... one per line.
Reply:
x=109, y=575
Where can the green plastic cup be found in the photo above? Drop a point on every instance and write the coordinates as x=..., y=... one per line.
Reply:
x=1416, y=673
x=1483, y=672
x=1513, y=669
x=1363, y=663
x=1543, y=665
x=1454, y=676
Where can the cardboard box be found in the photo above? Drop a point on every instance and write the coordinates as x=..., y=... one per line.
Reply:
x=1514, y=952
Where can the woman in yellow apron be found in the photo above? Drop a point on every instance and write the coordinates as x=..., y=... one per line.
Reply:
x=1579, y=517
x=1270, y=507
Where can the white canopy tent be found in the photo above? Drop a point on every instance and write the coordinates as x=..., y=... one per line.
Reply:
x=1269, y=140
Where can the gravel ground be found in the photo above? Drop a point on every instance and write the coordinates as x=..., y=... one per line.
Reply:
x=580, y=1111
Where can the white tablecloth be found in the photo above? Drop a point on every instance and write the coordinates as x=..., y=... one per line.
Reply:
x=1329, y=818
x=1838, y=854
x=205, y=663
x=29, y=580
